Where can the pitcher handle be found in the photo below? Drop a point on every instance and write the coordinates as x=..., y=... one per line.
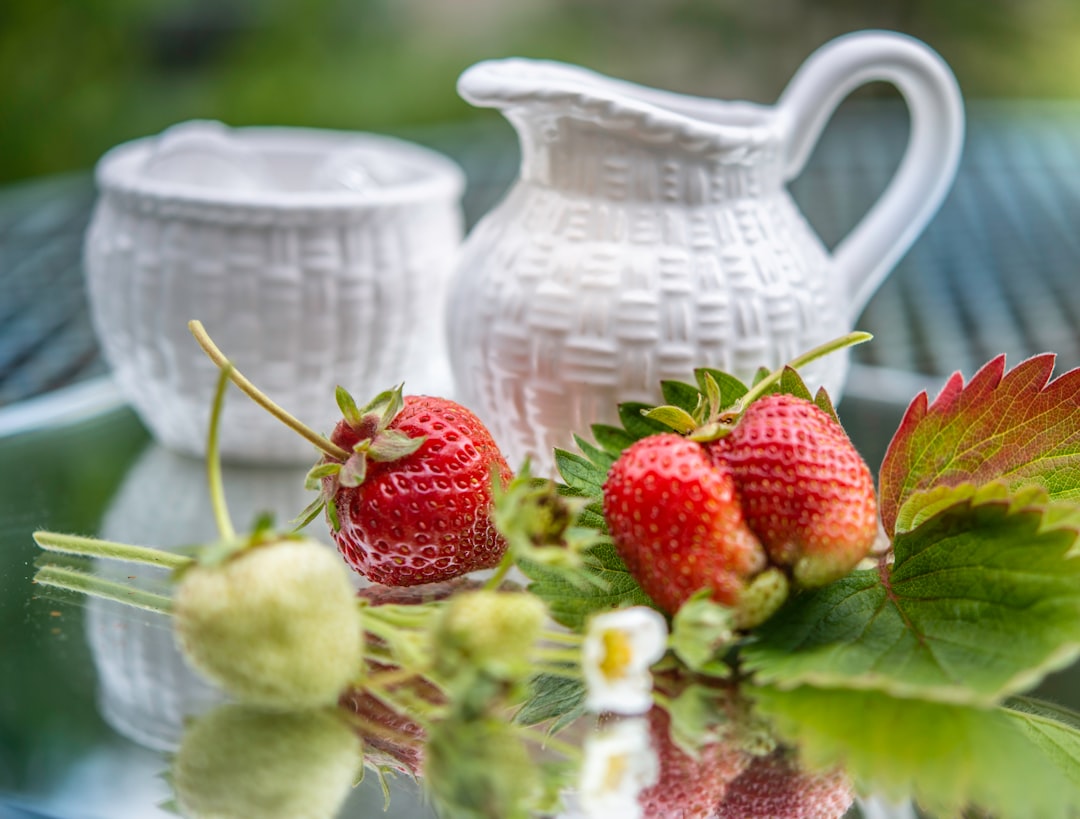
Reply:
x=874, y=246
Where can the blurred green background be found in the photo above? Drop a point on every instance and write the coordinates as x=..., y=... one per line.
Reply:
x=82, y=75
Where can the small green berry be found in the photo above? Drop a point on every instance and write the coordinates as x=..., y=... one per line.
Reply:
x=491, y=631
x=238, y=762
x=276, y=625
x=762, y=598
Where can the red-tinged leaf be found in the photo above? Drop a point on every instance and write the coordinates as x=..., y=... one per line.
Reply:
x=1017, y=428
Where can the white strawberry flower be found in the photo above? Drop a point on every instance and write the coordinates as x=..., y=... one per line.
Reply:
x=618, y=650
x=619, y=764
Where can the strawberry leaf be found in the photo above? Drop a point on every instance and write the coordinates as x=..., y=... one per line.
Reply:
x=580, y=473
x=551, y=697
x=602, y=459
x=1016, y=427
x=571, y=604
x=1054, y=729
x=982, y=600
x=947, y=756
x=612, y=439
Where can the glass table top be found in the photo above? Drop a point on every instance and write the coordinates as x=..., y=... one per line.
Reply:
x=93, y=693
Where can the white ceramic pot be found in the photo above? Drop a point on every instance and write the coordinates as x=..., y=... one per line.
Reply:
x=650, y=233
x=313, y=258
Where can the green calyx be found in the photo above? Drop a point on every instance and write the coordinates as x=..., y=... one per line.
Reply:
x=225, y=549
x=721, y=400
x=376, y=442
x=371, y=423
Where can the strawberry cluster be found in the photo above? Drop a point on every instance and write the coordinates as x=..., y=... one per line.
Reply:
x=779, y=498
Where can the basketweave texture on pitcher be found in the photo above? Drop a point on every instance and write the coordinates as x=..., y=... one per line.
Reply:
x=601, y=300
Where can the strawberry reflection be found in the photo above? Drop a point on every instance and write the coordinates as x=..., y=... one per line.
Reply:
x=146, y=689
x=393, y=740
x=240, y=761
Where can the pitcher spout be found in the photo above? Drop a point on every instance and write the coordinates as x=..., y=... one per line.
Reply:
x=585, y=132
x=517, y=83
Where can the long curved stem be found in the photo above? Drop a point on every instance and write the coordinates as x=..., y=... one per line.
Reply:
x=261, y=398
x=213, y=460
x=849, y=340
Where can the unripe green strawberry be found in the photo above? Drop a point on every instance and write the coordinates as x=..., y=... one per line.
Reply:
x=774, y=787
x=490, y=631
x=238, y=762
x=275, y=625
x=676, y=522
x=805, y=491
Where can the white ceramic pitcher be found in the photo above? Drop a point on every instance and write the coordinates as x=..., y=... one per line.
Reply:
x=650, y=233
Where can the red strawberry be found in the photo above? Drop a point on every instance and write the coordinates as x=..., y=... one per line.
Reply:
x=688, y=787
x=774, y=787
x=677, y=524
x=413, y=503
x=805, y=491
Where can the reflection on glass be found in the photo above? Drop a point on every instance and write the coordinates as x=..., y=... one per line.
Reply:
x=241, y=761
x=146, y=688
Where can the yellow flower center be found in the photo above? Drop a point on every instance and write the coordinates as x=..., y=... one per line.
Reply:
x=618, y=654
x=616, y=771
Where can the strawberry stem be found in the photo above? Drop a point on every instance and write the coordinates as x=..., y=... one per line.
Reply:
x=500, y=572
x=260, y=398
x=92, y=547
x=569, y=658
x=822, y=350
x=73, y=580
x=389, y=678
x=213, y=459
